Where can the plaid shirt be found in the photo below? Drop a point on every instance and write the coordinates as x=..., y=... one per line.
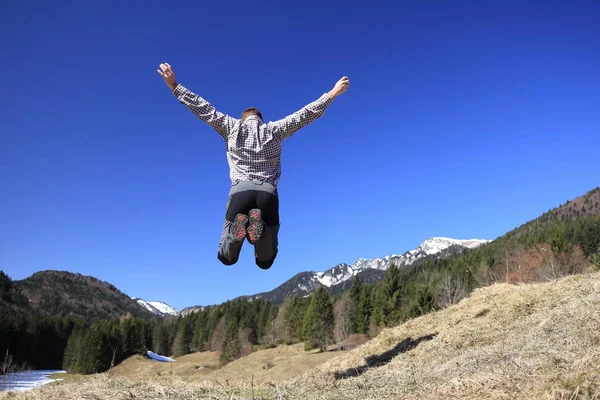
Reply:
x=253, y=147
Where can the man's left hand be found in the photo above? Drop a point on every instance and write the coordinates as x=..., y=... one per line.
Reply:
x=168, y=75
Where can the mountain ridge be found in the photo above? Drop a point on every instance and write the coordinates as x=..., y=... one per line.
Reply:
x=304, y=283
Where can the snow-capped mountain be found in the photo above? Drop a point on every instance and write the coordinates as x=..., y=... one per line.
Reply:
x=429, y=247
x=157, y=307
x=306, y=282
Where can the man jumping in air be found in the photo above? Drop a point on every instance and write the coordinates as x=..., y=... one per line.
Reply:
x=253, y=154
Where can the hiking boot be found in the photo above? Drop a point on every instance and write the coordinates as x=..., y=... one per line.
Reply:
x=238, y=228
x=256, y=227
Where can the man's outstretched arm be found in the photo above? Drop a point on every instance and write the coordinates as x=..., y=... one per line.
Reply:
x=287, y=126
x=201, y=108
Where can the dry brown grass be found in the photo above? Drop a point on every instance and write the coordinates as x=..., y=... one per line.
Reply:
x=539, y=341
x=505, y=341
x=104, y=387
x=272, y=365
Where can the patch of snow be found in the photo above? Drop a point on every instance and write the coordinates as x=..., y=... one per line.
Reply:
x=146, y=305
x=323, y=279
x=164, y=307
x=27, y=380
x=158, y=357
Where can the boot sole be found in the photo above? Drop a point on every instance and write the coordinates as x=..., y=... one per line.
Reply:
x=238, y=229
x=255, y=229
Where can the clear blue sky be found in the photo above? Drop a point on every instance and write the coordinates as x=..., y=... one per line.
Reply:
x=463, y=119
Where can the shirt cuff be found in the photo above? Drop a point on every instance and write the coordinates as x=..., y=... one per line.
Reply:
x=325, y=99
x=179, y=91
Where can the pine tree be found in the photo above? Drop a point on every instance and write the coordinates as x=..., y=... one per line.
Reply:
x=355, y=292
x=263, y=319
x=356, y=289
x=84, y=351
x=363, y=312
x=294, y=318
x=200, y=335
x=183, y=338
x=160, y=340
x=319, y=321
x=387, y=298
x=248, y=314
x=378, y=312
x=422, y=302
x=231, y=348
x=116, y=345
x=89, y=355
x=391, y=284
x=148, y=333
x=129, y=337
x=72, y=352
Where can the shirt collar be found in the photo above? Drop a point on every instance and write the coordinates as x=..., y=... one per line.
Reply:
x=253, y=117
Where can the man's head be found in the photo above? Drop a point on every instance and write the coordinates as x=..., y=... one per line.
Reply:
x=251, y=111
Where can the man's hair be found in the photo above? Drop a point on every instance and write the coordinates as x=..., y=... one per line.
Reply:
x=251, y=111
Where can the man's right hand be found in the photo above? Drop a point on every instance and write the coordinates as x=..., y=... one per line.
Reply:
x=340, y=87
x=168, y=75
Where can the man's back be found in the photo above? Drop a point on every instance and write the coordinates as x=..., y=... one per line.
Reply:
x=253, y=146
x=254, y=151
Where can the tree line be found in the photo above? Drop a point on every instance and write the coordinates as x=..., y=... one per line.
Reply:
x=321, y=320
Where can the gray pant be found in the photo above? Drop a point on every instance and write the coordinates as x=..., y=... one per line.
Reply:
x=244, y=196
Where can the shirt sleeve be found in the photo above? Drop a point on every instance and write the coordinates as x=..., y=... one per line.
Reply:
x=287, y=126
x=222, y=123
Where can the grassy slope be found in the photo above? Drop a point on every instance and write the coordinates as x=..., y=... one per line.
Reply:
x=504, y=341
x=537, y=341
x=282, y=362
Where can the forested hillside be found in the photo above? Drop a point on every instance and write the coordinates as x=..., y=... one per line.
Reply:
x=64, y=294
x=28, y=339
x=583, y=206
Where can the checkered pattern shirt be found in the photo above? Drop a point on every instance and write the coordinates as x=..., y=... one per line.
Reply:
x=253, y=147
